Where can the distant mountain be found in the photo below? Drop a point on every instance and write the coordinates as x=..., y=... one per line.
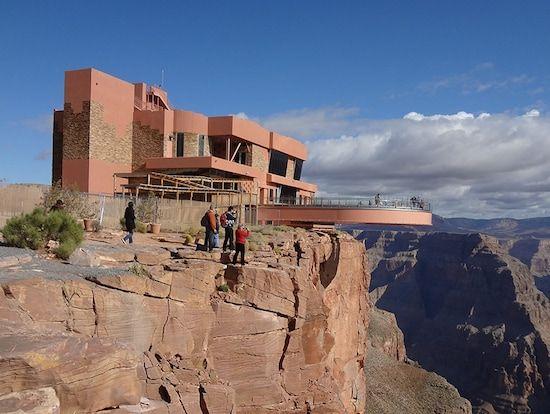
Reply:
x=538, y=227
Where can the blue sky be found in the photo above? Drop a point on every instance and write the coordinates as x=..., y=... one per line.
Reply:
x=378, y=60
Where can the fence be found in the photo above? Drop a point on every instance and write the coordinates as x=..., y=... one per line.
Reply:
x=19, y=198
x=173, y=215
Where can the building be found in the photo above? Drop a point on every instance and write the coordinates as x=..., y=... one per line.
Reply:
x=110, y=131
x=113, y=137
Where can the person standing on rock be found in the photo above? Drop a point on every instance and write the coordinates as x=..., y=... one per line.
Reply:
x=130, y=222
x=227, y=221
x=241, y=235
x=208, y=221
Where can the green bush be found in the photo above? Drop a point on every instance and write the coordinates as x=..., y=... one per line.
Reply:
x=141, y=227
x=65, y=249
x=223, y=288
x=188, y=239
x=35, y=229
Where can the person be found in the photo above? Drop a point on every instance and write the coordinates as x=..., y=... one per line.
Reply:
x=228, y=221
x=241, y=235
x=58, y=206
x=217, y=232
x=377, y=199
x=130, y=222
x=209, y=223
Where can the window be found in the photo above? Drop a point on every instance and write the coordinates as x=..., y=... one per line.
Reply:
x=298, y=169
x=201, y=145
x=278, y=163
x=179, y=144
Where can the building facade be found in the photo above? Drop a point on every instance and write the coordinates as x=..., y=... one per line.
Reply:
x=110, y=129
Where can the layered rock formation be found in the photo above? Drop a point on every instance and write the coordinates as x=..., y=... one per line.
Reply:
x=184, y=333
x=470, y=312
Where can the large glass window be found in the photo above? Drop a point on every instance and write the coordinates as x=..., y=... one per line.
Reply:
x=278, y=163
x=298, y=169
x=201, y=145
x=179, y=144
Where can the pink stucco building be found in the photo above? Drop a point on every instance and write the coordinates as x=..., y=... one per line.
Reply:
x=109, y=126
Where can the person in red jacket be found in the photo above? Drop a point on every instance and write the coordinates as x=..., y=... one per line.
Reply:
x=241, y=235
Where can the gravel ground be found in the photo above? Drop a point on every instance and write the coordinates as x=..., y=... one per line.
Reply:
x=45, y=268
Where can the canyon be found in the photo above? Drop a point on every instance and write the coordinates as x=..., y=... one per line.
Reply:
x=470, y=311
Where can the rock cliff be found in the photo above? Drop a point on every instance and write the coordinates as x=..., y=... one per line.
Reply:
x=470, y=312
x=184, y=333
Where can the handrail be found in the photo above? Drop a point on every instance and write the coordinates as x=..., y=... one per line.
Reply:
x=413, y=203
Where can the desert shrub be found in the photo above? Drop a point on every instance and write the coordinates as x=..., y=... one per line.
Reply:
x=65, y=249
x=188, y=239
x=139, y=270
x=77, y=204
x=141, y=227
x=33, y=230
x=26, y=231
x=253, y=246
x=97, y=226
x=147, y=210
x=223, y=288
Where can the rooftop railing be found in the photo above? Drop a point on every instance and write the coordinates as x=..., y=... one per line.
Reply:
x=357, y=203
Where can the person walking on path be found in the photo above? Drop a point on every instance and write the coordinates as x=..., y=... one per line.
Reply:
x=209, y=223
x=241, y=235
x=130, y=223
x=227, y=221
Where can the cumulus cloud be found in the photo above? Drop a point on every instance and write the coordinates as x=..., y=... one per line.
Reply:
x=484, y=165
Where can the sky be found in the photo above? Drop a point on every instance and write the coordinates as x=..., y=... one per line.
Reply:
x=444, y=99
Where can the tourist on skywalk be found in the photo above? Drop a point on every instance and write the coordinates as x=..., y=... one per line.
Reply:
x=377, y=199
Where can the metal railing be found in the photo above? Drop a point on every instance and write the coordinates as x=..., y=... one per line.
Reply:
x=356, y=203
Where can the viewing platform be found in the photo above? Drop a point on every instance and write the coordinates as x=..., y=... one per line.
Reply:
x=414, y=212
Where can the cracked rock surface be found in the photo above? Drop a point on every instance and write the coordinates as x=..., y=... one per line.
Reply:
x=287, y=336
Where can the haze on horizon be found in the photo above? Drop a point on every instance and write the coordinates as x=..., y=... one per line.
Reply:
x=444, y=100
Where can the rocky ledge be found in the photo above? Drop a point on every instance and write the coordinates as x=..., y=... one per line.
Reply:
x=185, y=333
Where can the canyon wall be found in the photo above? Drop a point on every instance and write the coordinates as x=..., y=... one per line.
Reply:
x=470, y=312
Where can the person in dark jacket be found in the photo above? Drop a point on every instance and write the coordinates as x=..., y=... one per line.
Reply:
x=228, y=221
x=130, y=222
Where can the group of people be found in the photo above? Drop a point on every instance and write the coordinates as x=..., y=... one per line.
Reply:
x=211, y=221
x=233, y=240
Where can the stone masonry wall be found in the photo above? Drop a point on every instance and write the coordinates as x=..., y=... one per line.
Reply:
x=260, y=157
x=146, y=143
x=191, y=145
x=105, y=144
x=76, y=132
x=290, y=168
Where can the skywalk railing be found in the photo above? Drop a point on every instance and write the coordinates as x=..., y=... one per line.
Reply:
x=361, y=203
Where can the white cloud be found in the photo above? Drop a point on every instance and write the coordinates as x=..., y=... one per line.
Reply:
x=533, y=113
x=241, y=115
x=489, y=165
